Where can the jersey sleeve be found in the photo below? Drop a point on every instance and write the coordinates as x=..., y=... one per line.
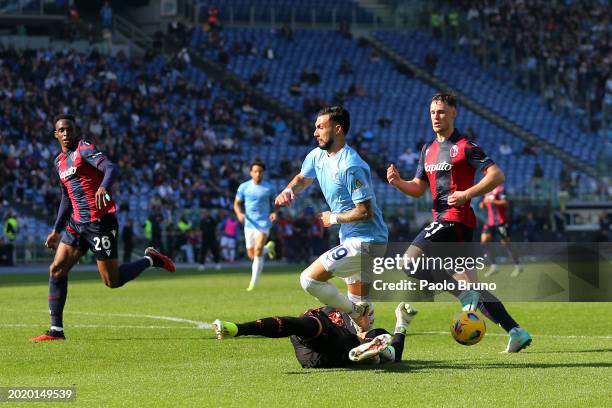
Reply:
x=476, y=157
x=357, y=182
x=308, y=167
x=420, y=171
x=91, y=154
x=240, y=193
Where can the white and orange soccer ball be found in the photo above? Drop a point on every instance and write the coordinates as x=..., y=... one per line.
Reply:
x=468, y=328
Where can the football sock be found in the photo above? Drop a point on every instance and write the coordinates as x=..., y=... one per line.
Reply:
x=397, y=342
x=58, y=290
x=513, y=255
x=304, y=327
x=256, y=269
x=495, y=310
x=326, y=293
x=130, y=271
x=266, y=249
x=490, y=254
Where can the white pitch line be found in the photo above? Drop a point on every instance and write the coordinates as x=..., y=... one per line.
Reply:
x=197, y=323
x=101, y=326
x=205, y=325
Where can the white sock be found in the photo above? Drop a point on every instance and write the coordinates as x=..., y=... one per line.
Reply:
x=150, y=260
x=57, y=328
x=232, y=255
x=326, y=293
x=266, y=249
x=256, y=269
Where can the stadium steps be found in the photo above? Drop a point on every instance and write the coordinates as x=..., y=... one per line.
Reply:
x=481, y=110
x=132, y=34
x=381, y=12
x=217, y=71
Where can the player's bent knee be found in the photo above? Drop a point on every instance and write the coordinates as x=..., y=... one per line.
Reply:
x=58, y=270
x=306, y=281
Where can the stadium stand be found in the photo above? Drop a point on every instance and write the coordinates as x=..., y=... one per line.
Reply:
x=561, y=48
x=321, y=11
x=186, y=149
x=373, y=90
x=467, y=75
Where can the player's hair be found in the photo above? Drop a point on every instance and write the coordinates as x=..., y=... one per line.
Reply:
x=65, y=116
x=257, y=162
x=339, y=115
x=448, y=98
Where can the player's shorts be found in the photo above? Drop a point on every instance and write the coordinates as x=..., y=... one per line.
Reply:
x=327, y=350
x=228, y=242
x=501, y=230
x=444, y=231
x=99, y=236
x=251, y=234
x=346, y=261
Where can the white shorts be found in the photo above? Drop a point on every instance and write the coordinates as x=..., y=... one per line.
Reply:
x=251, y=234
x=345, y=260
x=228, y=242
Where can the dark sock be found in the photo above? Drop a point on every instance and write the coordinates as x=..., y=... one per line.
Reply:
x=513, y=255
x=130, y=271
x=58, y=290
x=496, y=311
x=398, y=344
x=304, y=327
x=490, y=253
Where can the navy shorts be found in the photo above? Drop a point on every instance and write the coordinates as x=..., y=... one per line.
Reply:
x=99, y=236
x=443, y=231
x=501, y=230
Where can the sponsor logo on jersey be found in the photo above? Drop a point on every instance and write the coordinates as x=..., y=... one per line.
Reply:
x=443, y=166
x=67, y=173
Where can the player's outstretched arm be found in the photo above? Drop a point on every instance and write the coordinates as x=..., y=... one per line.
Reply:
x=415, y=187
x=493, y=178
x=298, y=184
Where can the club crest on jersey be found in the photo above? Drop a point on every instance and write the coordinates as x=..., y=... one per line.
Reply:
x=443, y=166
x=454, y=151
x=67, y=173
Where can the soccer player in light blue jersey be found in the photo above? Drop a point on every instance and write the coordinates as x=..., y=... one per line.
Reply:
x=256, y=197
x=346, y=183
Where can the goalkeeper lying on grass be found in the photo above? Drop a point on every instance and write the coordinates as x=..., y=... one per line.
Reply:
x=327, y=337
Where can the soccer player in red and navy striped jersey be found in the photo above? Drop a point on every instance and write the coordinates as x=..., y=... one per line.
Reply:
x=496, y=204
x=447, y=167
x=86, y=220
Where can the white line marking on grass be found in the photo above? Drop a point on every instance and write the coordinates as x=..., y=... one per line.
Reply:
x=197, y=323
x=534, y=335
x=102, y=326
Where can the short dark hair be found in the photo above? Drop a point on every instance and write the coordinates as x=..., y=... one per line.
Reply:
x=257, y=162
x=448, y=98
x=339, y=115
x=63, y=116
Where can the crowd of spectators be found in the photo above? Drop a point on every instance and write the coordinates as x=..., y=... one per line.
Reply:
x=174, y=141
x=563, y=47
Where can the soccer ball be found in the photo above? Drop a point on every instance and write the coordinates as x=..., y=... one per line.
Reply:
x=468, y=328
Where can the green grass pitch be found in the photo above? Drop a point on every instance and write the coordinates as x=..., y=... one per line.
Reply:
x=140, y=345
